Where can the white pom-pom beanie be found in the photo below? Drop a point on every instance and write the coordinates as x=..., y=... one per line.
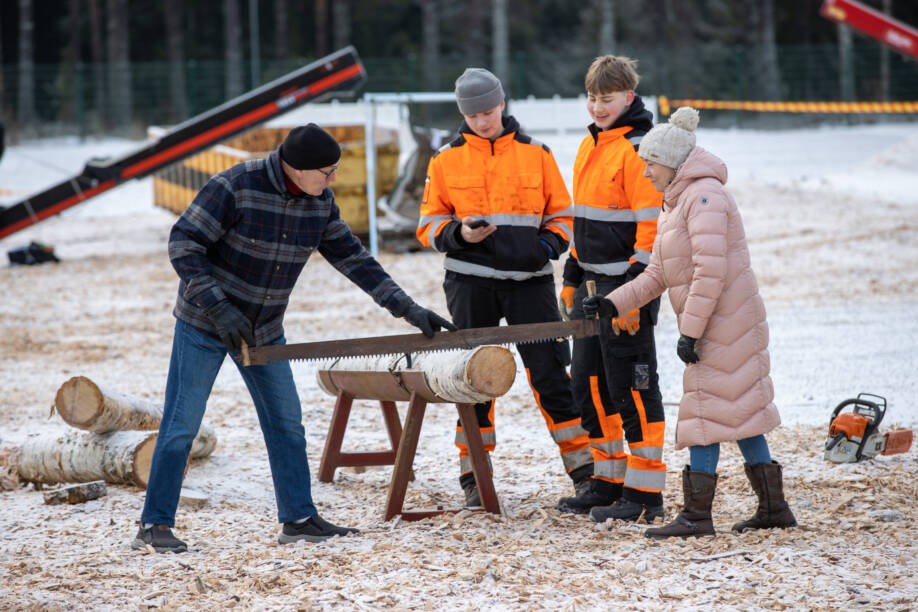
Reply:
x=668, y=144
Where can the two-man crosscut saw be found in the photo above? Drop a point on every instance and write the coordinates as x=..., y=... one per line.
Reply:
x=413, y=343
x=441, y=341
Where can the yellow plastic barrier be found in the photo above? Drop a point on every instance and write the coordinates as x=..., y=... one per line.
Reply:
x=176, y=185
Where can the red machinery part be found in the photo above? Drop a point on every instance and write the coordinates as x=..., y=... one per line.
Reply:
x=873, y=23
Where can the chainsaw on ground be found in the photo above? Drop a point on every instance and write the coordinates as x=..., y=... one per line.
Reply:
x=412, y=343
x=854, y=435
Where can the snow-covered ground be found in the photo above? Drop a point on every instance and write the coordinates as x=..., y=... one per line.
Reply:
x=832, y=220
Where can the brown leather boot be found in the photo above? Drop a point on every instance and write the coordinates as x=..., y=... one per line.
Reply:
x=695, y=518
x=773, y=511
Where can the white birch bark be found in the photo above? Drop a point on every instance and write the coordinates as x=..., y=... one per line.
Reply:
x=121, y=457
x=83, y=404
x=476, y=375
x=76, y=494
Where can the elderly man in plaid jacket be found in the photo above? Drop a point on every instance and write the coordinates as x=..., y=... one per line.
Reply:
x=238, y=250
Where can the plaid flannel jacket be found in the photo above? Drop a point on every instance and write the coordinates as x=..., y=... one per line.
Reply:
x=246, y=239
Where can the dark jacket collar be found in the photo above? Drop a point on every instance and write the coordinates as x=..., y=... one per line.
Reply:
x=635, y=116
x=508, y=121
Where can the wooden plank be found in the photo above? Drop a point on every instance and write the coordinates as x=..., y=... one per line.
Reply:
x=479, y=458
x=405, y=457
x=331, y=454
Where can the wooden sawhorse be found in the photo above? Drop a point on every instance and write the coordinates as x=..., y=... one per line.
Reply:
x=388, y=388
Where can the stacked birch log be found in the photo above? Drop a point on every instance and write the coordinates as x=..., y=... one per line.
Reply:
x=118, y=431
x=115, y=444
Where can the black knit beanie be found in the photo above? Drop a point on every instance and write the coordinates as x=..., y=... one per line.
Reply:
x=309, y=147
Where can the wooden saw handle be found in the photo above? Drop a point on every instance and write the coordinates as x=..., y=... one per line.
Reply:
x=591, y=291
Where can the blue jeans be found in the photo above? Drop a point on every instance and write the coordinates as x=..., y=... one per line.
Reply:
x=704, y=458
x=196, y=360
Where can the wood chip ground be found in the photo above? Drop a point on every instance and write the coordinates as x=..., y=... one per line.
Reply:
x=105, y=312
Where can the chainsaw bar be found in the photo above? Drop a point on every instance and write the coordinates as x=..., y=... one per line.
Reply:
x=415, y=343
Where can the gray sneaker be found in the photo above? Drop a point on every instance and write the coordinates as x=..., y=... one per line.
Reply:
x=160, y=538
x=314, y=529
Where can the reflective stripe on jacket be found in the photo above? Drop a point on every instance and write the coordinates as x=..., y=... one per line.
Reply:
x=514, y=183
x=615, y=206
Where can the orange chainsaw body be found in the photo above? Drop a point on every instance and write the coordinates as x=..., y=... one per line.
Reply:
x=853, y=435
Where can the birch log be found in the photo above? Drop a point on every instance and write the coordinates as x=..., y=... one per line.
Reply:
x=473, y=376
x=76, y=494
x=85, y=405
x=120, y=457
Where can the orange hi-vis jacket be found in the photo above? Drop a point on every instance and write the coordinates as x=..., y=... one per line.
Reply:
x=514, y=183
x=615, y=206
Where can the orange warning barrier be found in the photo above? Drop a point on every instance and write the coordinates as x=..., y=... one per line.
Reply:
x=665, y=105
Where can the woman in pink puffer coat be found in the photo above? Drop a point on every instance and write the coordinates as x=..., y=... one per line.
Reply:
x=700, y=256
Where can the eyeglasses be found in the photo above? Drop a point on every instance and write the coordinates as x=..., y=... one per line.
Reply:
x=329, y=173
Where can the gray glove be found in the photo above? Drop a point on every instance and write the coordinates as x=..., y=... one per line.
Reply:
x=232, y=326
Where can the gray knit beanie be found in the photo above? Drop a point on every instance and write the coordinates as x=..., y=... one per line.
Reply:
x=668, y=144
x=477, y=90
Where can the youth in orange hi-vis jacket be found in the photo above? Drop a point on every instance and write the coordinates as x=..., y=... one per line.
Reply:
x=615, y=223
x=495, y=203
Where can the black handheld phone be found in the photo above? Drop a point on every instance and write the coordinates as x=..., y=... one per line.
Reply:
x=478, y=223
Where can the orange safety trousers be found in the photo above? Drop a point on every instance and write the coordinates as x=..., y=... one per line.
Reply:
x=475, y=303
x=620, y=400
x=572, y=440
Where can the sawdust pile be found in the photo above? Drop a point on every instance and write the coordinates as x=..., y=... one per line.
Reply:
x=105, y=312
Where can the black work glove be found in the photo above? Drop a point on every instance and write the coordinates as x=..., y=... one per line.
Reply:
x=685, y=348
x=598, y=305
x=427, y=320
x=232, y=326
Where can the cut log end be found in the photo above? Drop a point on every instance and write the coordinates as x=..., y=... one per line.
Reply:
x=79, y=401
x=491, y=370
x=143, y=459
x=86, y=405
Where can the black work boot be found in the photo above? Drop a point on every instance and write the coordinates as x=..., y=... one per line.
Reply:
x=629, y=510
x=768, y=483
x=470, y=488
x=313, y=529
x=695, y=518
x=595, y=492
x=160, y=538
x=580, y=477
